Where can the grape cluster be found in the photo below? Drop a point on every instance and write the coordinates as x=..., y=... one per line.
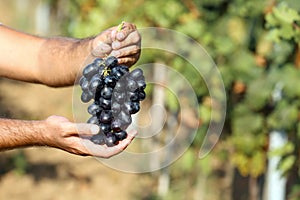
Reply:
x=116, y=92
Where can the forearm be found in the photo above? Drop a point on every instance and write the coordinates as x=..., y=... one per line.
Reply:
x=20, y=133
x=50, y=61
x=61, y=59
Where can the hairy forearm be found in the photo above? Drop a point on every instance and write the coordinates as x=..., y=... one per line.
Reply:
x=50, y=61
x=20, y=133
x=61, y=59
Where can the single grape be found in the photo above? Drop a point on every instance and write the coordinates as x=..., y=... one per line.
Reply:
x=89, y=71
x=105, y=103
x=106, y=116
x=93, y=120
x=110, y=81
x=117, y=72
x=119, y=97
x=115, y=108
x=84, y=84
x=120, y=86
x=98, y=139
x=121, y=135
x=136, y=74
x=111, y=140
x=142, y=95
x=135, y=107
x=116, y=125
x=106, y=92
x=99, y=62
x=132, y=96
x=141, y=84
x=94, y=109
x=125, y=118
x=104, y=128
x=81, y=80
x=132, y=107
x=86, y=96
x=111, y=62
x=131, y=85
x=96, y=83
x=124, y=69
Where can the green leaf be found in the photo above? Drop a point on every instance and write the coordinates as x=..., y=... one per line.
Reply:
x=287, y=163
x=288, y=148
x=285, y=14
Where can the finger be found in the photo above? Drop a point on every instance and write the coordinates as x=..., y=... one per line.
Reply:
x=81, y=129
x=100, y=48
x=133, y=38
x=129, y=61
x=126, y=51
x=125, y=31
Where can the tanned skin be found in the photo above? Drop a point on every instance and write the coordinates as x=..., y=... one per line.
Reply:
x=57, y=62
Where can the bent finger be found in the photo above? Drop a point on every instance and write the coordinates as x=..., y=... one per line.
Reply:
x=132, y=38
x=129, y=61
x=127, y=51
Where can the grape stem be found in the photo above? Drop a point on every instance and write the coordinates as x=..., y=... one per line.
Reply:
x=120, y=27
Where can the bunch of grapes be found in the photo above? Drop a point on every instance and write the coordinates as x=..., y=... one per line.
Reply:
x=116, y=92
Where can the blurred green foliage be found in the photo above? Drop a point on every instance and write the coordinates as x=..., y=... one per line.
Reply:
x=255, y=45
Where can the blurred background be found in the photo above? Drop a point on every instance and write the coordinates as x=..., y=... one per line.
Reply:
x=255, y=45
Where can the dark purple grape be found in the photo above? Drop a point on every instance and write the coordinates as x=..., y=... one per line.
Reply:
x=96, y=83
x=131, y=85
x=84, y=84
x=132, y=96
x=142, y=95
x=106, y=92
x=135, y=107
x=141, y=84
x=99, y=62
x=120, y=86
x=136, y=74
x=105, y=116
x=124, y=69
x=111, y=140
x=110, y=81
x=117, y=72
x=94, y=109
x=116, y=125
x=98, y=139
x=121, y=135
x=105, y=103
x=115, y=108
x=132, y=107
x=81, y=80
x=93, y=120
x=124, y=118
x=111, y=62
x=104, y=128
x=119, y=97
x=89, y=71
x=86, y=96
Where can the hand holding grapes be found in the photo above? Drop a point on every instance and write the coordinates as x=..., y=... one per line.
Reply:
x=75, y=138
x=123, y=42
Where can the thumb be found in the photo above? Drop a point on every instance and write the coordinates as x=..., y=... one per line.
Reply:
x=82, y=129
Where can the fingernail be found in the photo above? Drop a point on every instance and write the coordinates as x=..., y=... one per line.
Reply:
x=94, y=129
